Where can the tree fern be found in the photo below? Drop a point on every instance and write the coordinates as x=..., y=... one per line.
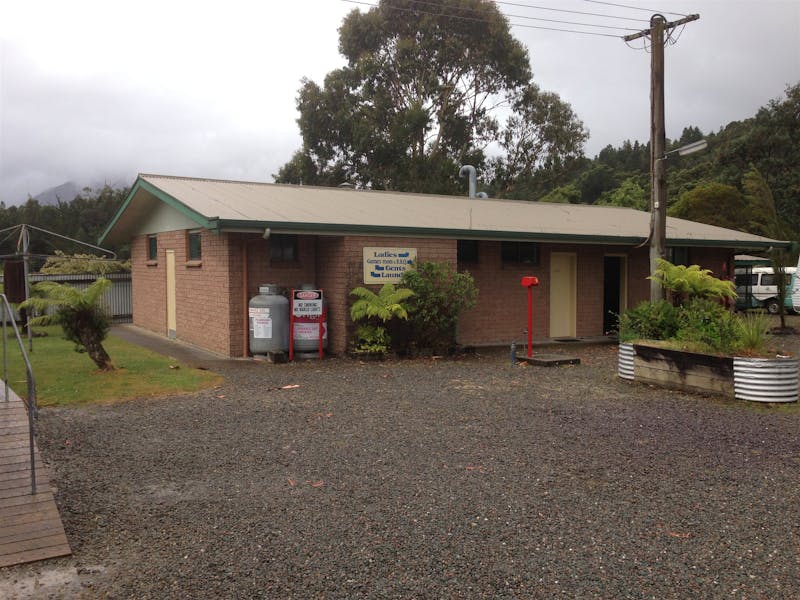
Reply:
x=83, y=319
x=685, y=282
x=387, y=304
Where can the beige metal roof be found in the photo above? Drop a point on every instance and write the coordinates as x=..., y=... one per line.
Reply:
x=233, y=205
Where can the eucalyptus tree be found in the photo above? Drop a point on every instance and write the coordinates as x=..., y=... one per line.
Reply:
x=427, y=86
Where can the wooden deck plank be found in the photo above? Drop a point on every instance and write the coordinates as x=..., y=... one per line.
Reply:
x=32, y=544
x=30, y=525
x=39, y=496
x=19, y=558
x=39, y=528
x=23, y=479
x=48, y=512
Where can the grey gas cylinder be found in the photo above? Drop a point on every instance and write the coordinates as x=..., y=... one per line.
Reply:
x=268, y=319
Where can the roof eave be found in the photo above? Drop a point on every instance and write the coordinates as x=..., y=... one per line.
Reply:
x=142, y=185
x=420, y=232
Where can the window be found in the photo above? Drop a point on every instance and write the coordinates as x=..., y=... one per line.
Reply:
x=678, y=256
x=769, y=279
x=520, y=252
x=467, y=251
x=152, y=247
x=283, y=247
x=195, y=250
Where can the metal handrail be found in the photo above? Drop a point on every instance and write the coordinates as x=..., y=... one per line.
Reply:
x=30, y=402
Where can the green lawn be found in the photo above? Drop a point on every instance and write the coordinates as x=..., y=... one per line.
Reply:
x=64, y=376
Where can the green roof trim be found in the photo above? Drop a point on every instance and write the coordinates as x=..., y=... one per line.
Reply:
x=342, y=229
x=141, y=184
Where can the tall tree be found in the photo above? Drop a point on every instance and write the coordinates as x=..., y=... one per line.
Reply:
x=419, y=96
x=714, y=204
x=761, y=216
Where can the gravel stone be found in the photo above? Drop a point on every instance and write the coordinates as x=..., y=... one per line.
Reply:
x=429, y=478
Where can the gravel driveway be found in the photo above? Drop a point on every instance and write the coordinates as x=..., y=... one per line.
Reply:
x=464, y=478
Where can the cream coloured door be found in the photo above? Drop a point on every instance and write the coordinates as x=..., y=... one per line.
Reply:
x=563, y=293
x=171, y=306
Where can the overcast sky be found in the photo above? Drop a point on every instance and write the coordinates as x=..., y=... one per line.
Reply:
x=99, y=90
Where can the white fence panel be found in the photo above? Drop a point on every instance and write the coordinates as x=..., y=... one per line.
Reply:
x=117, y=299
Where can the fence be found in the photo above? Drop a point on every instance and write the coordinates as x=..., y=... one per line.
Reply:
x=117, y=299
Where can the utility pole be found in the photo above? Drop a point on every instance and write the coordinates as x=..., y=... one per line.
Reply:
x=658, y=168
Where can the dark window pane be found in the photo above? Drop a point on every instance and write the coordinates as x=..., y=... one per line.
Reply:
x=679, y=256
x=195, y=250
x=520, y=252
x=283, y=247
x=152, y=248
x=468, y=251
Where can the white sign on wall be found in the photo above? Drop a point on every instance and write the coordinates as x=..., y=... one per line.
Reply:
x=387, y=265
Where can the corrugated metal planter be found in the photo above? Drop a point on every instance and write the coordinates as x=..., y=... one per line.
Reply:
x=766, y=379
x=625, y=361
x=753, y=379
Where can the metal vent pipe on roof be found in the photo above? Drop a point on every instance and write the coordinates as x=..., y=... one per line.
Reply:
x=473, y=178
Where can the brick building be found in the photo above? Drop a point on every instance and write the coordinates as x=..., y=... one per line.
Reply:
x=200, y=249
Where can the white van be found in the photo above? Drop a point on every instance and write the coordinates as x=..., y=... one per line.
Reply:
x=756, y=287
x=796, y=288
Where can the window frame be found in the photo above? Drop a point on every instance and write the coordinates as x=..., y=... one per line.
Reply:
x=520, y=253
x=280, y=242
x=191, y=258
x=152, y=249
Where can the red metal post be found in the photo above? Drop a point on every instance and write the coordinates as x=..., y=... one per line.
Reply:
x=530, y=282
x=530, y=321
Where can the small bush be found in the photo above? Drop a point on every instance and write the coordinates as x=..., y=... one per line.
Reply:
x=709, y=325
x=753, y=328
x=441, y=294
x=649, y=321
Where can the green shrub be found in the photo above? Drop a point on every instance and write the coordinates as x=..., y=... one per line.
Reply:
x=708, y=325
x=651, y=321
x=441, y=294
x=753, y=328
x=66, y=264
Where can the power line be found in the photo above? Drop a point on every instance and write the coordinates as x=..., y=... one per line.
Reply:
x=635, y=8
x=508, y=15
x=475, y=19
x=574, y=12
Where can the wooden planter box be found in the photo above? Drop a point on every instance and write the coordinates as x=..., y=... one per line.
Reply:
x=695, y=372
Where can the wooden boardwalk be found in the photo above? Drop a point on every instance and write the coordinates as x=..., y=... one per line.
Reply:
x=30, y=526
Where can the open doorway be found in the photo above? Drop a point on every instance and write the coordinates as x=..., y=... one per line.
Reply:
x=614, y=268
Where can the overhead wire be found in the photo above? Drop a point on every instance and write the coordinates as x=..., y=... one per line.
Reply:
x=650, y=10
x=508, y=15
x=476, y=19
x=564, y=10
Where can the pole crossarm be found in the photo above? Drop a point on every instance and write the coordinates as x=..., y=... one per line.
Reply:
x=668, y=25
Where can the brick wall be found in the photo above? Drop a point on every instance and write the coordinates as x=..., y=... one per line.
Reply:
x=149, y=287
x=501, y=314
x=211, y=307
x=346, y=273
x=202, y=289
